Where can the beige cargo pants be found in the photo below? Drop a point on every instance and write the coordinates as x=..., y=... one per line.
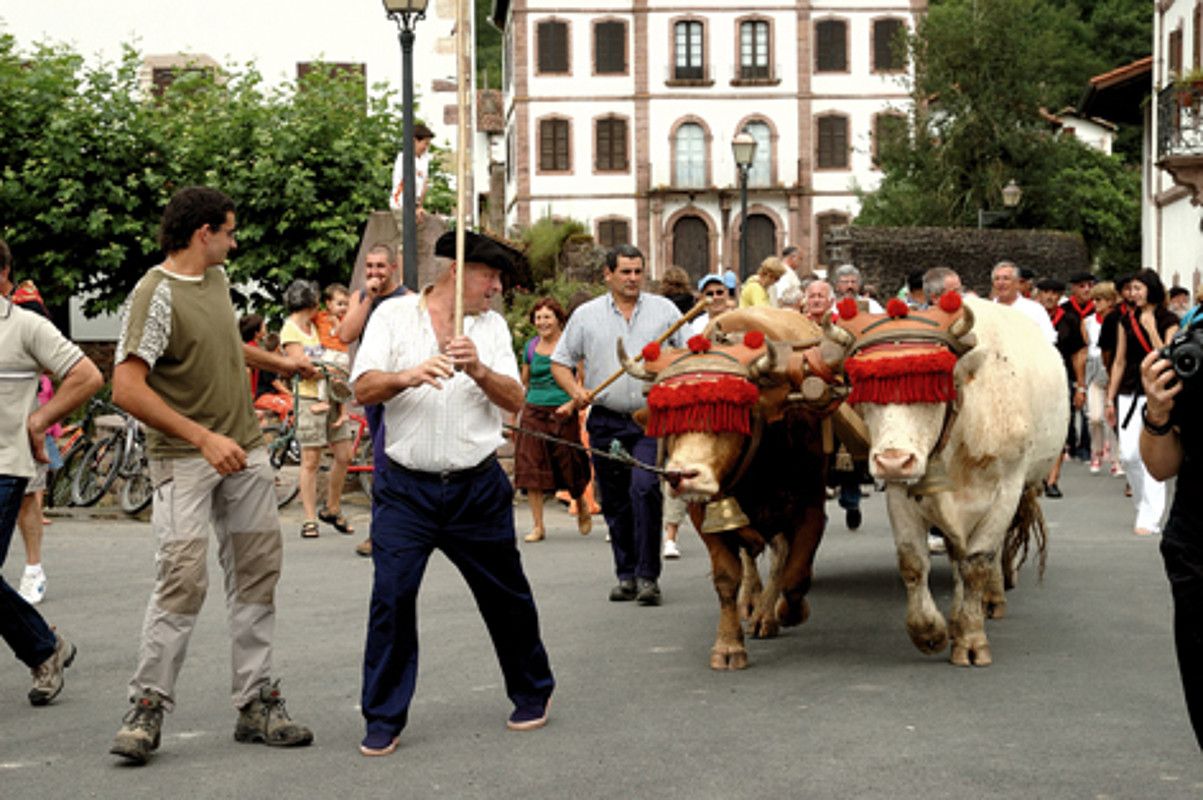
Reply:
x=191, y=499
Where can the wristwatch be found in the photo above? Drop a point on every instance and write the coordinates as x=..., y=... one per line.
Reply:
x=1155, y=430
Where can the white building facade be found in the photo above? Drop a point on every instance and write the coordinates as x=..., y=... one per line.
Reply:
x=623, y=117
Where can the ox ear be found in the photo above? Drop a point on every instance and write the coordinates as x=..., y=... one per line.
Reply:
x=970, y=362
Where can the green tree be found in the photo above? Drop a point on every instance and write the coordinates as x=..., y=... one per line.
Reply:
x=975, y=125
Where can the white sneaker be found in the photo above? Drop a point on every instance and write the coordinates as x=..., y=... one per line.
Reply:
x=670, y=549
x=33, y=587
x=936, y=544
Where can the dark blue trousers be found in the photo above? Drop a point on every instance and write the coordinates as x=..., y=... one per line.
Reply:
x=21, y=625
x=470, y=518
x=1182, y=551
x=631, y=499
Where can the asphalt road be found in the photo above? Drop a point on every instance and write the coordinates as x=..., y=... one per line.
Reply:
x=1083, y=700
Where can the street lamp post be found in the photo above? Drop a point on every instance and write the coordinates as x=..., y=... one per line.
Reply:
x=406, y=13
x=743, y=147
x=1011, y=195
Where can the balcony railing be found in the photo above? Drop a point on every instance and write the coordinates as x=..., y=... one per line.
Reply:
x=1180, y=121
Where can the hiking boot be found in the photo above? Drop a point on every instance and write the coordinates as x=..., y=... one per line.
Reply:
x=649, y=592
x=48, y=676
x=265, y=720
x=141, y=728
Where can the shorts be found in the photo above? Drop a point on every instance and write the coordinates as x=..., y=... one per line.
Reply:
x=318, y=430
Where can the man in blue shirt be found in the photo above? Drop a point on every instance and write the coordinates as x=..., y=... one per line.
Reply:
x=631, y=499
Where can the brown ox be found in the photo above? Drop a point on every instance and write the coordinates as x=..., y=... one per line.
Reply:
x=963, y=426
x=739, y=415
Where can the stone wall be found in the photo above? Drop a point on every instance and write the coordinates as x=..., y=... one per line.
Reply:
x=885, y=256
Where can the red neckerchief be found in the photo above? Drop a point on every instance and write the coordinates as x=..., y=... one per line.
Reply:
x=1083, y=311
x=1098, y=317
x=1057, y=314
x=1138, y=331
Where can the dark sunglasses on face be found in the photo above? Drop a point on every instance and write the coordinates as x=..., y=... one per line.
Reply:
x=720, y=293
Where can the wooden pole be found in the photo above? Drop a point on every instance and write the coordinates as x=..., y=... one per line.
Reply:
x=676, y=326
x=463, y=73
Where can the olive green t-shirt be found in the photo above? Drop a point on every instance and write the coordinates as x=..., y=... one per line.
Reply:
x=185, y=329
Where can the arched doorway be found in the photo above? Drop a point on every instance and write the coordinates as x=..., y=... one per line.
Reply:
x=691, y=246
x=762, y=242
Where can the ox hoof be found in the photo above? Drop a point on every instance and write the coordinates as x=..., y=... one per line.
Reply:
x=930, y=636
x=967, y=655
x=728, y=659
x=791, y=615
x=995, y=608
x=763, y=627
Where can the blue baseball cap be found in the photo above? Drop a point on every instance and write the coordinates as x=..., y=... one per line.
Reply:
x=708, y=279
x=729, y=280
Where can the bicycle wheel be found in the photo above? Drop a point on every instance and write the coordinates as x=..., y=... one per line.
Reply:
x=287, y=478
x=363, y=458
x=98, y=470
x=137, y=492
x=58, y=488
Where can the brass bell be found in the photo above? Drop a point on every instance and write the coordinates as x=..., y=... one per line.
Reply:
x=934, y=481
x=724, y=514
x=843, y=460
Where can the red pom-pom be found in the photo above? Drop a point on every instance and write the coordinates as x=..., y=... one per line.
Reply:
x=698, y=343
x=651, y=351
x=846, y=308
x=754, y=340
x=897, y=308
x=950, y=302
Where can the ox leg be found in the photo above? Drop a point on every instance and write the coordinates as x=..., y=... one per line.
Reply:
x=924, y=622
x=763, y=623
x=750, y=587
x=994, y=597
x=969, y=644
x=792, y=607
x=728, y=651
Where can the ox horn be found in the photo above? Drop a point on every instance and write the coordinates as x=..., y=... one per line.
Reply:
x=837, y=334
x=632, y=367
x=962, y=324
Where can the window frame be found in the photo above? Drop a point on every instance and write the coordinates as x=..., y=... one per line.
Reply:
x=552, y=118
x=846, y=68
x=538, y=24
x=703, y=75
x=761, y=119
x=611, y=219
x=707, y=141
x=626, y=144
x=847, y=150
x=626, y=46
x=877, y=117
x=769, y=67
x=873, y=64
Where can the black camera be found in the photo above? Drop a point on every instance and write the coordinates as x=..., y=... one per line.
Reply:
x=1185, y=353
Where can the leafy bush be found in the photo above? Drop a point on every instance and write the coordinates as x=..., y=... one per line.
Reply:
x=544, y=240
x=521, y=301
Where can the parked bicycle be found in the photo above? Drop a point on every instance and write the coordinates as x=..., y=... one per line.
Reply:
x=121, y=453
x=72, y=444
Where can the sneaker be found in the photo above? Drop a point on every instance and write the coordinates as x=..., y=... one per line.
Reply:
x=48, y=676
x=141, y=728
x=852, y=518
x=33, y=586
x=624, y=591
x=528, y=717
x=1096, y=465
x=649, y=593
x=265, y=720
x=671, y=550
x=379, y=744
x=936, y=544
x=1116, y=470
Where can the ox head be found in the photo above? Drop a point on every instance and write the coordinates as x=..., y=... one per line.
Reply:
x=900, y=366
x=707, y=400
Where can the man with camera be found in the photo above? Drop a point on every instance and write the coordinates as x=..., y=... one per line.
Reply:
x=1171, y=443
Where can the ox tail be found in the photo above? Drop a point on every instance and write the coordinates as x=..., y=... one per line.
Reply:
x=1026, y=526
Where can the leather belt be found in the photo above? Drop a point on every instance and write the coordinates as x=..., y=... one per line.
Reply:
x=447, y=475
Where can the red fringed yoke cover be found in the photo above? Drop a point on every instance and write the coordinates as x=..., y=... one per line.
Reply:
x=889, y=374
x=706, y=402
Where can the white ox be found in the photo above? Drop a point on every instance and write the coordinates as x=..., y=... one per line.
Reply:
x=1012, y=412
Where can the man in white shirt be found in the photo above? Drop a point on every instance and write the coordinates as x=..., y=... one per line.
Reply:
x=1005, y=279
x=791, y=257
x=848, y=284
x=421, y=145
x=442, y=485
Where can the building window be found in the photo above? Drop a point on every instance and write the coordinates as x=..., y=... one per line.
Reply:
x=553, y=145
x=889, y=46
x=760, y=173
x=611, y=149
x=689, y=64
x=553, y=46
x=689, y=157
x=610, y=48
x=833, y=142
x=889, y=130
x=831, y=46
x=754, y=49
x=1175, y=52
x=511, y=156
x=507, y=61
x=613, y=232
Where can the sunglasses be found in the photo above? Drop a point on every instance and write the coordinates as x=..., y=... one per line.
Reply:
x=719, y=293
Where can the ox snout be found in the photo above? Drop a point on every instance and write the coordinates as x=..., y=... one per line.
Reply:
x=693, y=482
x=894, y=464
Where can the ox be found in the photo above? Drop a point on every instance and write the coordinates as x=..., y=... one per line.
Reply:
x=739, y=416
x=966, y=407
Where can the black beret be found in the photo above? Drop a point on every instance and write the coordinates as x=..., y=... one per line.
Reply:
x=481, y=249
x=1050, y=285
x=1026, y=274
x=1083, y=277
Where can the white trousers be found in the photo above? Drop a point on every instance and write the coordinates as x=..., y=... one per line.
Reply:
x=1147, y=493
